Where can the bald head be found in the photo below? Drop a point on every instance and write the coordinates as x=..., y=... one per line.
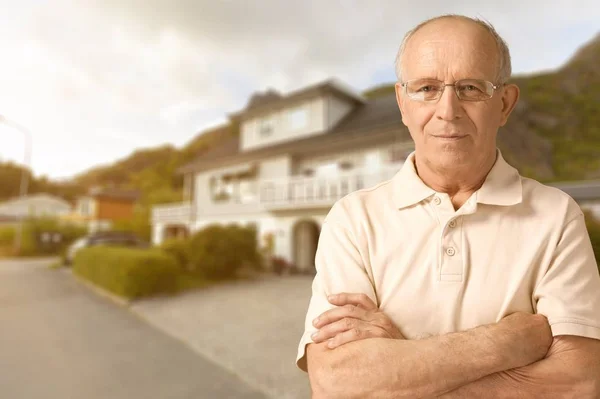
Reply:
x=480, y=42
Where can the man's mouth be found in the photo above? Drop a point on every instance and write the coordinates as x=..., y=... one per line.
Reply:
x=450, y=137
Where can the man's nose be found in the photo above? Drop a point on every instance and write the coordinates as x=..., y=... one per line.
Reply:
x=449, y=106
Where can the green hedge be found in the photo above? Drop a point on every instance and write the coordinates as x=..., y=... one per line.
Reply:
x=218, y=252
x=128, y=272
x=180, y=249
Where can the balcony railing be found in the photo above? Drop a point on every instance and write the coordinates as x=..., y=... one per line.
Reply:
x=293, y=192
x=172, y=213
x=298, y=191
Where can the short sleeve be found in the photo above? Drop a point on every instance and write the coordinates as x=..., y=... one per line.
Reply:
x=340, y=268
x=569, y=293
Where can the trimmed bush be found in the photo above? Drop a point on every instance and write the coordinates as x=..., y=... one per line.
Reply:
x=128, y=272
x=179, y=249
x=218, y=252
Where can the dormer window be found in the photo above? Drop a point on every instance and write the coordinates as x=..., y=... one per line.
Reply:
x=266, y=127
x=298, y=118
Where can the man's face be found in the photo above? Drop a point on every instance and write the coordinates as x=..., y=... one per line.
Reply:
x=451, y=132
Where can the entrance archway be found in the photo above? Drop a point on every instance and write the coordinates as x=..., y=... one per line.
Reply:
x=306, y=238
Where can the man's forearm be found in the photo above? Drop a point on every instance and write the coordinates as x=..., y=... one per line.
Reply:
x=407, y=369
x=568, y=372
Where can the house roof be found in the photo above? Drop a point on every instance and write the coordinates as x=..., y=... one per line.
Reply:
x=261, y=102
x=108, y=192
x=377, y=120
x=580, y=190
x=37, y=198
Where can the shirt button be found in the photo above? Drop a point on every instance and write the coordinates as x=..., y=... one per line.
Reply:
x=437, y=200
x=450, y=251
x=452, y=223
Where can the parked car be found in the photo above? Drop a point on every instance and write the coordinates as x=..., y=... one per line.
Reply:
x=108, y=238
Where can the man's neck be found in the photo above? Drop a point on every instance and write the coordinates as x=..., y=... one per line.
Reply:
x=458, y=183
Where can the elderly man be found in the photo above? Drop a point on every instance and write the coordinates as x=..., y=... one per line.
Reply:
x=457, y=278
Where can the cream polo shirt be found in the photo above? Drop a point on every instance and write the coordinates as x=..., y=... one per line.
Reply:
x=515, y=245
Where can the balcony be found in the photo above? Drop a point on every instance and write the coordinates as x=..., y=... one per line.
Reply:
x=294, y=192
x=307, y=192
x=176, y=213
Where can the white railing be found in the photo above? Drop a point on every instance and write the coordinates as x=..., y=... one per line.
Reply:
x=173, y=213
x=299, y=190
x=284, y=193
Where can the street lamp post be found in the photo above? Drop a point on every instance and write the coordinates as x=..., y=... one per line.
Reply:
x=24, y=176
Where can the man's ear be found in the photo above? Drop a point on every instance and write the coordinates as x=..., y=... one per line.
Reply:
x=510, y=97
x=400, y=101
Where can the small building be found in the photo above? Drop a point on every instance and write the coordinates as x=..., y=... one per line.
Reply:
x=34, y=205
x=102, y=207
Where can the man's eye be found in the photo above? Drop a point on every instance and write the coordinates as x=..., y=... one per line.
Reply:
x=470, y=88
x=427, y=88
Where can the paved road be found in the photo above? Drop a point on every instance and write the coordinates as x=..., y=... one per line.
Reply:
x=59, y=340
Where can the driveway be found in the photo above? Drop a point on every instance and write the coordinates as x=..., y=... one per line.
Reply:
x=60, y=340
x=250, y=328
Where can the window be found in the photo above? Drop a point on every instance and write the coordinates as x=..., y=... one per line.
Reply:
x=266, y=127
x=327, y=170
x=247, y=191
x=373, y=161
x=298, y=119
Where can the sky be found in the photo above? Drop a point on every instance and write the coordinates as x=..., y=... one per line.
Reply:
x=92, y=81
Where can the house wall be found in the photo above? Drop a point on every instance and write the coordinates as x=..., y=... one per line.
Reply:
x=112, y=209
x=283, y=129
x=592, y=206
x=270, y=168
x=35, y=206
x=359, y=158
x=336, y=109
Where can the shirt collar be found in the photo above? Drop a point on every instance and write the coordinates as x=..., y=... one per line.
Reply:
x=502, y=185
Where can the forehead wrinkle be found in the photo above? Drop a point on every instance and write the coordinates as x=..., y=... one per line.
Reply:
x=443, y=58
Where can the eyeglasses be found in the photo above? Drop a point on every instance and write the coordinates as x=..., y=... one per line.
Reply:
x=466, y=89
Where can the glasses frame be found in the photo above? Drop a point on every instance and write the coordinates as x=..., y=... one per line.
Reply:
x=494, y=87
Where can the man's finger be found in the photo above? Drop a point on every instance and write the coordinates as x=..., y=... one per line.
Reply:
x=353, y=334
x=344, y=298
x=332, y=329
x=335, y=314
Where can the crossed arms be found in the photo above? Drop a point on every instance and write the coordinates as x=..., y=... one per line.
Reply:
x=509, y=359
x=514, y=358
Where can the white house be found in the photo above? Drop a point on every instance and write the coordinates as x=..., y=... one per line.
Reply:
x=295, y=156
x=34, y=205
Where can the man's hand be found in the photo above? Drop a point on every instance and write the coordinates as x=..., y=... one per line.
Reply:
x=527, y=337
x=355, y=318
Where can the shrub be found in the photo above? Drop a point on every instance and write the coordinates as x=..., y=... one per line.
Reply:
x=218, y=252
x=33, y=228
x=7, y=235
x=179, y=249
x=129, y=272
